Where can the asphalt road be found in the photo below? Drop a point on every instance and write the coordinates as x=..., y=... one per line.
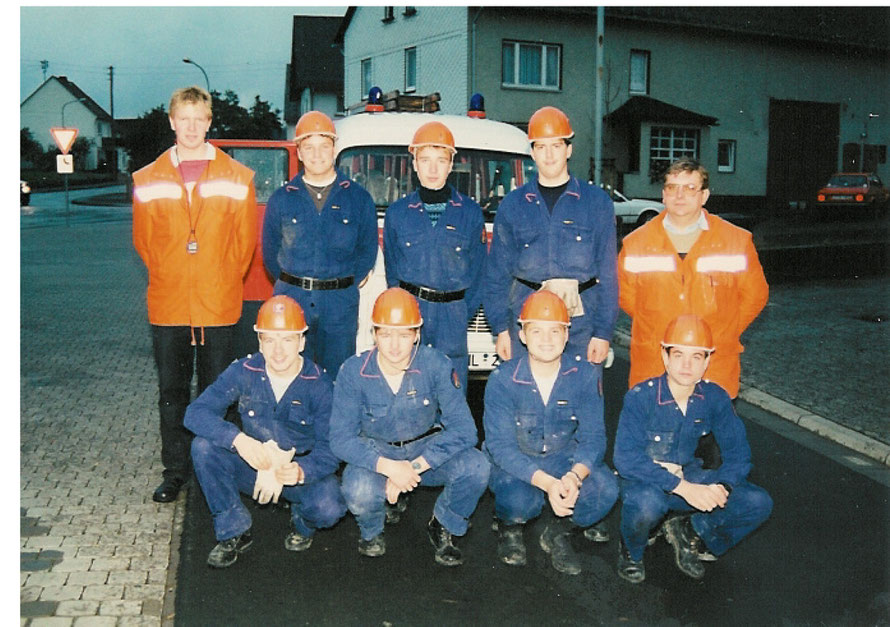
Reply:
x=51, y=209
x=822, y=558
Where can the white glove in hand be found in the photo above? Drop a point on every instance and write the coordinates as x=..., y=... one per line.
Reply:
x=267, y=487
x=567, y=290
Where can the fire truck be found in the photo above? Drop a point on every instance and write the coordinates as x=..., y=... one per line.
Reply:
x=493, y=158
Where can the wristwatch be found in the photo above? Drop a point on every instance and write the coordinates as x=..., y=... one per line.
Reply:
x=415, y=465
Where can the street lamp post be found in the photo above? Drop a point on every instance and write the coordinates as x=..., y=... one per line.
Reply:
x=65, y=176
x=864, y=137
x=207, y=80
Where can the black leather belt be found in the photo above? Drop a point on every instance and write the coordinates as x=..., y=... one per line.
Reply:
x=435, y=429
x=433, y=296
x=581, y=286
x=308, y=283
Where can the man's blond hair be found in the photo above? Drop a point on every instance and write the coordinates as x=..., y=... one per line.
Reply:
x=191, y=95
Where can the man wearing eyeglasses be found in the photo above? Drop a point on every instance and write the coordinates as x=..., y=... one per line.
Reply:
x=689, y=261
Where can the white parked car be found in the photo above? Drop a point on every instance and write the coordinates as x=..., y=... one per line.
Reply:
x=632, y=212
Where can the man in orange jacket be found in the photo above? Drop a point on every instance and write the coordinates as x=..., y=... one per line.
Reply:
x=689, y=261
x=194, y=225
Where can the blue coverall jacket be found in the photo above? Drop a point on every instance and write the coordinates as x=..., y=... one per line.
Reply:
x=299, y=420
x=652, y=428
x=368, y=418
x=338, y=242
x=523, y=435
x=576, y=241
x=447, y=257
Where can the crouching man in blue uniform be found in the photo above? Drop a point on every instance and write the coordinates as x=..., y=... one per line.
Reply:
x=399, y=421
x=434, y=247
x=285, y=403
x=660, y=424
x=545, y=437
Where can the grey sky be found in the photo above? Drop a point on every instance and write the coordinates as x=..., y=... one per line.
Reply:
x=243, y=49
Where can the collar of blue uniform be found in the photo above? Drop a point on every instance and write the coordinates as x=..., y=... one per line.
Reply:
x=256, y=362
x=522, y=371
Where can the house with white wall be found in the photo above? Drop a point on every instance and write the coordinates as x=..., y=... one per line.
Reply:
x=59, y=102
x=772, y=100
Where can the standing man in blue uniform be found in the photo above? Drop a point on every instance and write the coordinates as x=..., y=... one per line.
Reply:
x=434, y=247
x=399, y=421
x=658, y=430
x=285, y=405
x=558, y=233
x=545, y=436
x=320, y=243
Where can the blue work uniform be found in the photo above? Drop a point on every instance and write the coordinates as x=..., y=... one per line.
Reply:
x=574, y=241
x=445, y=261
x=337, y=245
x=300, y=420
x=653, y=428
x=524, y=435
x=428, y=417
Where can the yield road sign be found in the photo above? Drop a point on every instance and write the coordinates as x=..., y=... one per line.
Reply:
x=63, y=137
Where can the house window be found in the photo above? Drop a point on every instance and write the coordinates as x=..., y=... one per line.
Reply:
x=667, y=144
x=410, y=69
x=726, y=155
x=639, y=72
x=531, y=65
x=388, y=15
x=366, y=77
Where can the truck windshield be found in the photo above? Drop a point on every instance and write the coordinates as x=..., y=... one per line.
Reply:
x=485, y=176
x=269, y=166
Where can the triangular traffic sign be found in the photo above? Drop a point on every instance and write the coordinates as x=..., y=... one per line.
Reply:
x=63, y=137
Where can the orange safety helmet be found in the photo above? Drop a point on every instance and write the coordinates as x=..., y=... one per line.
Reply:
x=432, y=134
x=549, y=123
x=688, y=330
x=314, y=123
x=280, y=313
x=396, y=308
x=544, y=306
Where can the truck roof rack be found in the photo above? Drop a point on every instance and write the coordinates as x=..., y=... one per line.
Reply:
x=395, y=101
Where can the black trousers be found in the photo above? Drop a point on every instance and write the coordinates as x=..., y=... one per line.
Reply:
x=177, y=360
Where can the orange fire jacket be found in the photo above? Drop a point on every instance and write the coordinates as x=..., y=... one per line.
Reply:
x=720, y=279
x=202, y=288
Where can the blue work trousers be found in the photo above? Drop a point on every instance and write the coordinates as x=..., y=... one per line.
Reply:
x=332, y=316
x=224, y=476
x=464, y=478
x=645, y=505
x=445, y=328
x=517, y=502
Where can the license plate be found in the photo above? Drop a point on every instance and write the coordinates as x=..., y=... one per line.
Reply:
x=483, y=361
x=840, y=198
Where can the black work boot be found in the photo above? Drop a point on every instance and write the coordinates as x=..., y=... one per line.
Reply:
x=226, y=552
x=511, y=548
x=679, y=533
x=296, y=541
x=629, y=569
x=394, y=512
x=375, y=547
x=446, y=553
x=556, y=540
x=598, y=532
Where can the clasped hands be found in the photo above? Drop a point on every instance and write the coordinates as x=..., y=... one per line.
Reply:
x=273, y=465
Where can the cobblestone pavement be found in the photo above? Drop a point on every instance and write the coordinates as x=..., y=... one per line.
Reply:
x=96, y=550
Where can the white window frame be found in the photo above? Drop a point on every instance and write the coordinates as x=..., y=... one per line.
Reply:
x=546, y=50
x=669, y=143
x=731, y=152
x=411, y=64
x=367, y=79
x=638, y=84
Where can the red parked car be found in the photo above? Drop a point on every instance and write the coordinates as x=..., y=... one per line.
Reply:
x=854, y=189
